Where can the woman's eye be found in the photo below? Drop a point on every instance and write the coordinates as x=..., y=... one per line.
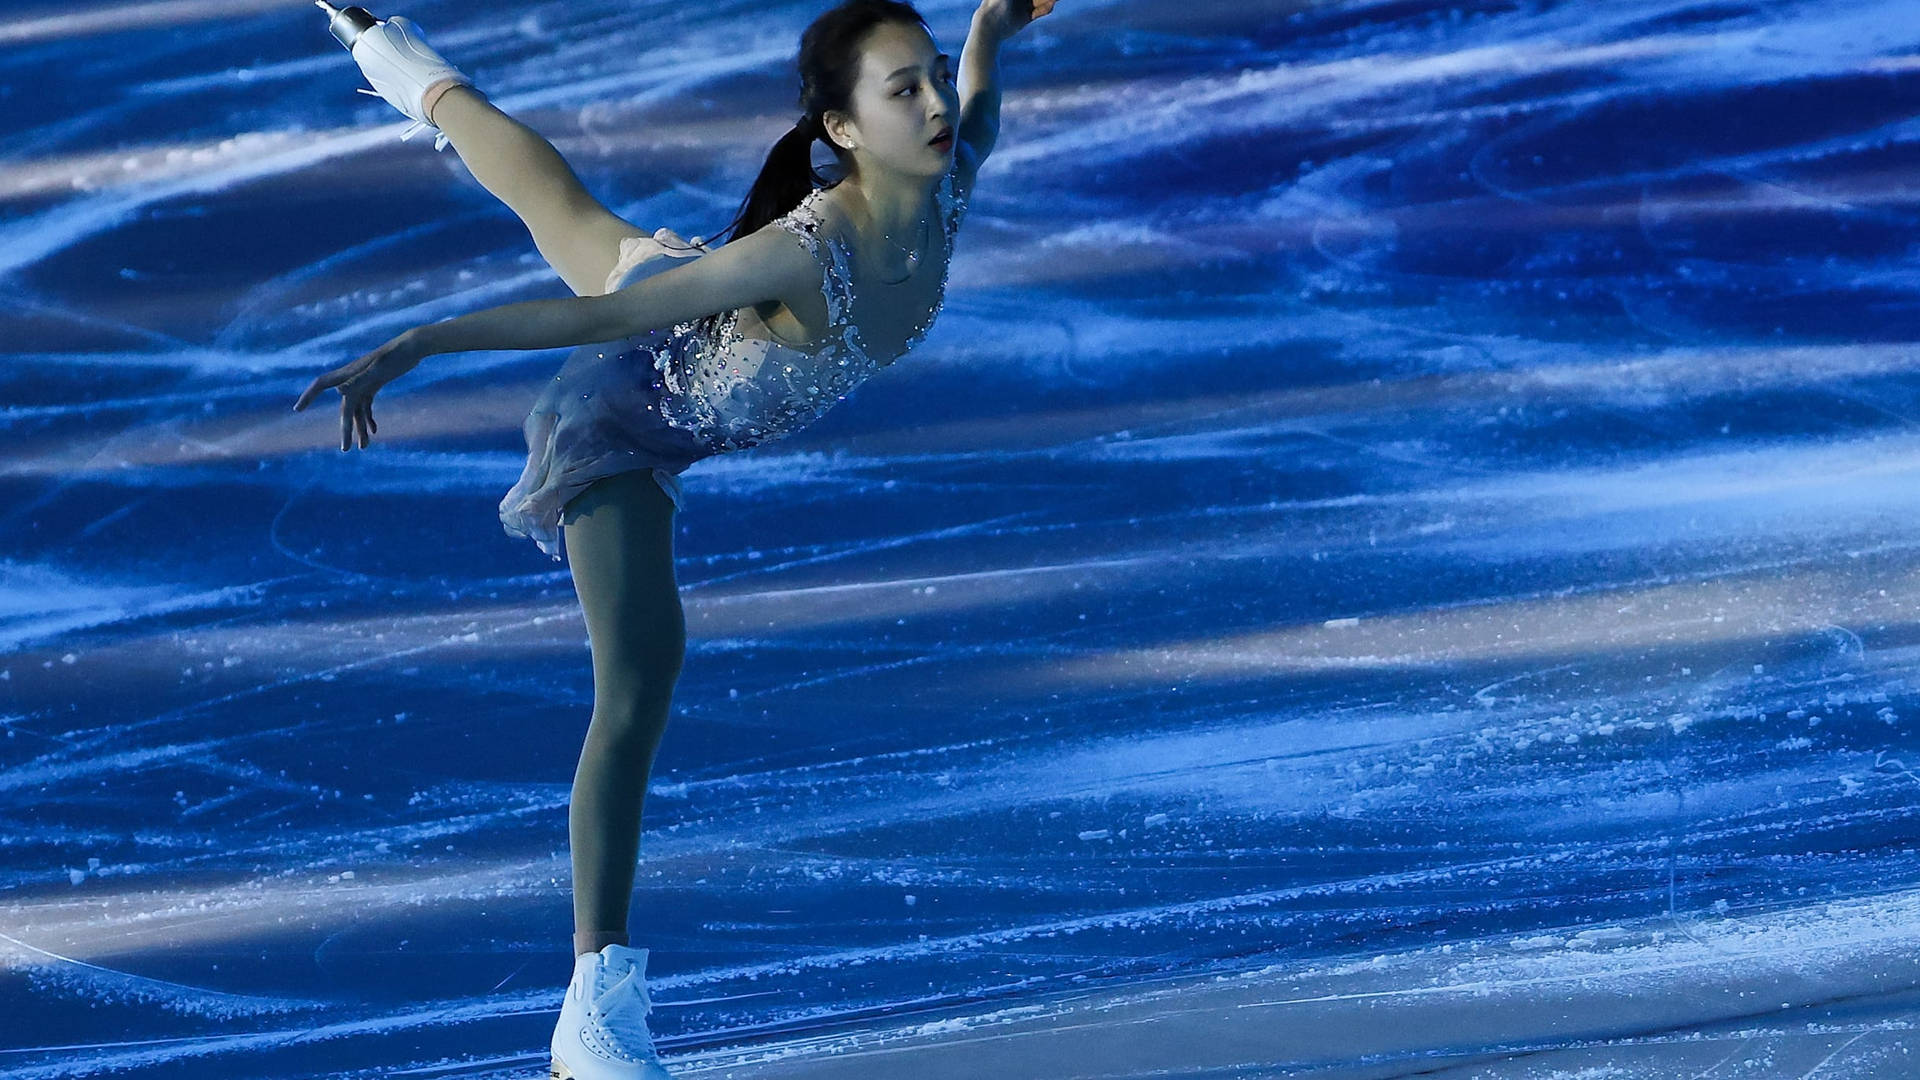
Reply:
x=948, y=77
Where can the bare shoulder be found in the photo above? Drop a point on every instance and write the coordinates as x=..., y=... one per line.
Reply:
x=832, y=211
x=786, y=262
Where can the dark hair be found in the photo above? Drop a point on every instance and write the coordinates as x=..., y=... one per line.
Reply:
x=829, y=64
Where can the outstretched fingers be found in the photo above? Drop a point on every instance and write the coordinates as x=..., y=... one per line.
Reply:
x=313, y=389
x=356, y=422
x=322, y=382
x=357, y=383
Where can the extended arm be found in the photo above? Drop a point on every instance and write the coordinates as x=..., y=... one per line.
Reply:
x=769, y=264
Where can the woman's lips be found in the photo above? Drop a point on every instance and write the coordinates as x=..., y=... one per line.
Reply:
x=943, y=142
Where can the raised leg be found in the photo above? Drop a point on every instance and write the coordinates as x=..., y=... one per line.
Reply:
x=577, y=236
x=619, y=542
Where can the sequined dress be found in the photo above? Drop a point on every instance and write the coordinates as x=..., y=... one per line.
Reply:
x=668, y=398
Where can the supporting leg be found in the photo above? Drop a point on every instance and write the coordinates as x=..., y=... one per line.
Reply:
x=619, y=540
x=595, y=940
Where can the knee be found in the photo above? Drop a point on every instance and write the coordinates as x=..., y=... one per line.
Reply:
x=636, y=699
x=629, y=727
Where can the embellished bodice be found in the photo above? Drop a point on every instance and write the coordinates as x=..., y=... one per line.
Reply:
x=735, y=390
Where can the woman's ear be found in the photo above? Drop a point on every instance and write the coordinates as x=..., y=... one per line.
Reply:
x=838, y=129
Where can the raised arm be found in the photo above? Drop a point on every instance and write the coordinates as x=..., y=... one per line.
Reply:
x=979, y=122
x=994, y=21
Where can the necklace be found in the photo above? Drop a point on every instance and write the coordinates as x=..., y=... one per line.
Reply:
x=913, y=256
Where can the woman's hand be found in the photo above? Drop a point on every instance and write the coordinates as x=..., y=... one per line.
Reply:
x=1005, y=18
x=358, y=381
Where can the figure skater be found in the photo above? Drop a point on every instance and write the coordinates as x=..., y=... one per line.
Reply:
x=689, y=351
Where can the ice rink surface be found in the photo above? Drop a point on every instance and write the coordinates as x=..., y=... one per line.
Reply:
x=1398, y=558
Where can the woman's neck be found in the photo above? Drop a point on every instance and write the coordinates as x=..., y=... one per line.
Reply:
x=892, y=213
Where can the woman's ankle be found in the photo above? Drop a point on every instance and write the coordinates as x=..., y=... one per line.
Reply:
x=434, y=93
x=587, y=941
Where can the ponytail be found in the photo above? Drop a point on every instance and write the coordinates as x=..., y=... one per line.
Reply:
x=786, y=177
x=829, y=63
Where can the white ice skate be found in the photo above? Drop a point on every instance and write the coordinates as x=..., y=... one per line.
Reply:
x=394, y=57
x=602, y=1034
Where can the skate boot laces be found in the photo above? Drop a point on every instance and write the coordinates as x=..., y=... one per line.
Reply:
x=620, y=1004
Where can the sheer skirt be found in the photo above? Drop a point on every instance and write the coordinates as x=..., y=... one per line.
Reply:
x=600, y=415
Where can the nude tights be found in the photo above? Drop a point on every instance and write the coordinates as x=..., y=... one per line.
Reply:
x=618, y=537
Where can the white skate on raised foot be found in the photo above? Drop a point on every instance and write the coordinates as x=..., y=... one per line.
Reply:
x=602, y=1034
x=395, y=58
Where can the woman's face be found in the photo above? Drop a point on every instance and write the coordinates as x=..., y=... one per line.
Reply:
x=904, y=96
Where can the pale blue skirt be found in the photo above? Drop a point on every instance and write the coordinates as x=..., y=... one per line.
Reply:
x=600, y=415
